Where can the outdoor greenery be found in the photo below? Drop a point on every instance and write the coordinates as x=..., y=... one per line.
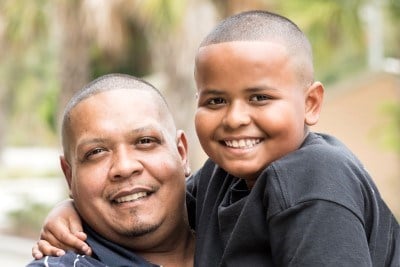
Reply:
x=51, y=48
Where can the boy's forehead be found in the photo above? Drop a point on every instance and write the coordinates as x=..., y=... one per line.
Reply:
x=236, y=51
x=244, y=45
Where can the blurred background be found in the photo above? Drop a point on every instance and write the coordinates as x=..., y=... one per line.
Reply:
x=51, y=48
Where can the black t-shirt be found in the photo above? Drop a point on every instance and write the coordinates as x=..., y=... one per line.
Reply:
x=316, y=206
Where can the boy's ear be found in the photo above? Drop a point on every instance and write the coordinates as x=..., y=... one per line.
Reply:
x=314, y=99
x=66, y=168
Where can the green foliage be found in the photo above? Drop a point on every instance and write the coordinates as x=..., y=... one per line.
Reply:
x=30, y=69
x=134, y=61
x=335, y=30
x=162, y=14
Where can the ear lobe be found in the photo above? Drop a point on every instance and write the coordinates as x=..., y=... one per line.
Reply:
x=66, y=170
x=183, y=151
x=314, y=99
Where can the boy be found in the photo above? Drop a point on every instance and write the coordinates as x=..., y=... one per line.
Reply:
x=273, y=193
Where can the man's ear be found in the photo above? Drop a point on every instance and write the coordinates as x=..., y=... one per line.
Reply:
x=314, y=99
x=66, y=168
x=183, y=151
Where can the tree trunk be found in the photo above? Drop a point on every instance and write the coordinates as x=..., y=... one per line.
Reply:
x=74, y=67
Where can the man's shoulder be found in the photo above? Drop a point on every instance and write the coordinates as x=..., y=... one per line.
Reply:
x=68, y=259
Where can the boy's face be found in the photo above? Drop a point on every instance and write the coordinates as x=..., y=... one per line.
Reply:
x=251, y=105
x=126, y=168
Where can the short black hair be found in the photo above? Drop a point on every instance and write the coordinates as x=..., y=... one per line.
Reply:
x=255, y=25
x=108, y=82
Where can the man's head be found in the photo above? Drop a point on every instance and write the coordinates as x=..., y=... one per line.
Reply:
x=125, y=162
x=256, y=93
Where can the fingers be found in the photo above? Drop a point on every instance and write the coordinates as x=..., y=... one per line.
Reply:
x=82, y=247
x=42, y=247
x=64, y=239
x=36, y=252
x=62, y=231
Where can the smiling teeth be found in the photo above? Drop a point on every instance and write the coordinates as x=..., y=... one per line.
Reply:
x=242, y=143
x=132, y=197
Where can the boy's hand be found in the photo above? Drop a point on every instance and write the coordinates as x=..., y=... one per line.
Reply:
x=62, y=231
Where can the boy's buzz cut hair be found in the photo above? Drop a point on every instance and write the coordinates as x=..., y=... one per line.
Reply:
x=260, y=25
x=257, y=25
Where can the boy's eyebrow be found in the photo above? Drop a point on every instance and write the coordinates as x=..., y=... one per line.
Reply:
x=253, y=89
x=256, y=89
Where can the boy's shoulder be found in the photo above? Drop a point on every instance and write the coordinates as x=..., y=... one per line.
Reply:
x=321, y=169
x=318, y=149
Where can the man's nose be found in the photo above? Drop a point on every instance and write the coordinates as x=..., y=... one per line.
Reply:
x=125, y=163
x=237, y=115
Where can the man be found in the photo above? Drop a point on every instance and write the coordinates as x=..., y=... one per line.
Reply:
x=122, y=159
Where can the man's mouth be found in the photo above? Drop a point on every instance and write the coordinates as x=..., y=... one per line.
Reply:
x=132, y=197
x=242, y=143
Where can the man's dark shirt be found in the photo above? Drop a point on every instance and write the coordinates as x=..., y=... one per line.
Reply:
x=105, y=253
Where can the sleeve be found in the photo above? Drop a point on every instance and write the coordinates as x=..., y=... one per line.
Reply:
x=49, y=261
x=318, y=233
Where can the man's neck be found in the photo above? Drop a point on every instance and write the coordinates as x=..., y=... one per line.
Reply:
x=179, y=254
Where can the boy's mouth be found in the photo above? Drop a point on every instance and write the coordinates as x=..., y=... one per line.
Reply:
x=242, y=143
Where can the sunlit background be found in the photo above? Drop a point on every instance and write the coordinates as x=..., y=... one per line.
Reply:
x=50, y=48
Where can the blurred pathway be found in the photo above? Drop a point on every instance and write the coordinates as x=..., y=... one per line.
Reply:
x=17, y=192
x=14, y=251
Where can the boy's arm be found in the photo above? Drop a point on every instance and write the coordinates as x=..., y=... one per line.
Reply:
x=62, y=231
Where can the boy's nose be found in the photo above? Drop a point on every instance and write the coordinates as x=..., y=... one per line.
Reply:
x=124, y=164
x=236, y=116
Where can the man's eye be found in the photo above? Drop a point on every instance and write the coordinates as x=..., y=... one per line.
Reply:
x=93, y=153
x=259, y=98
x=147, y=141
x=216, y=101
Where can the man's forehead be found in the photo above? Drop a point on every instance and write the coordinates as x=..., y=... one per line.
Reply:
x=124, y=95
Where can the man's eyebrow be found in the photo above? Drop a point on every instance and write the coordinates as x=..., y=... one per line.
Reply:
x=145, y=128
x=89, y=141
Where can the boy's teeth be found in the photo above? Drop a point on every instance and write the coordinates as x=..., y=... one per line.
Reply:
x=242, y=143
x=131, y=197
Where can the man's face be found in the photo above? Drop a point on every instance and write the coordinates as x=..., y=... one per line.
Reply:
x=251, y=105
x=126, y=166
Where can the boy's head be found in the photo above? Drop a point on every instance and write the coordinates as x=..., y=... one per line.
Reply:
x=256, y=92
